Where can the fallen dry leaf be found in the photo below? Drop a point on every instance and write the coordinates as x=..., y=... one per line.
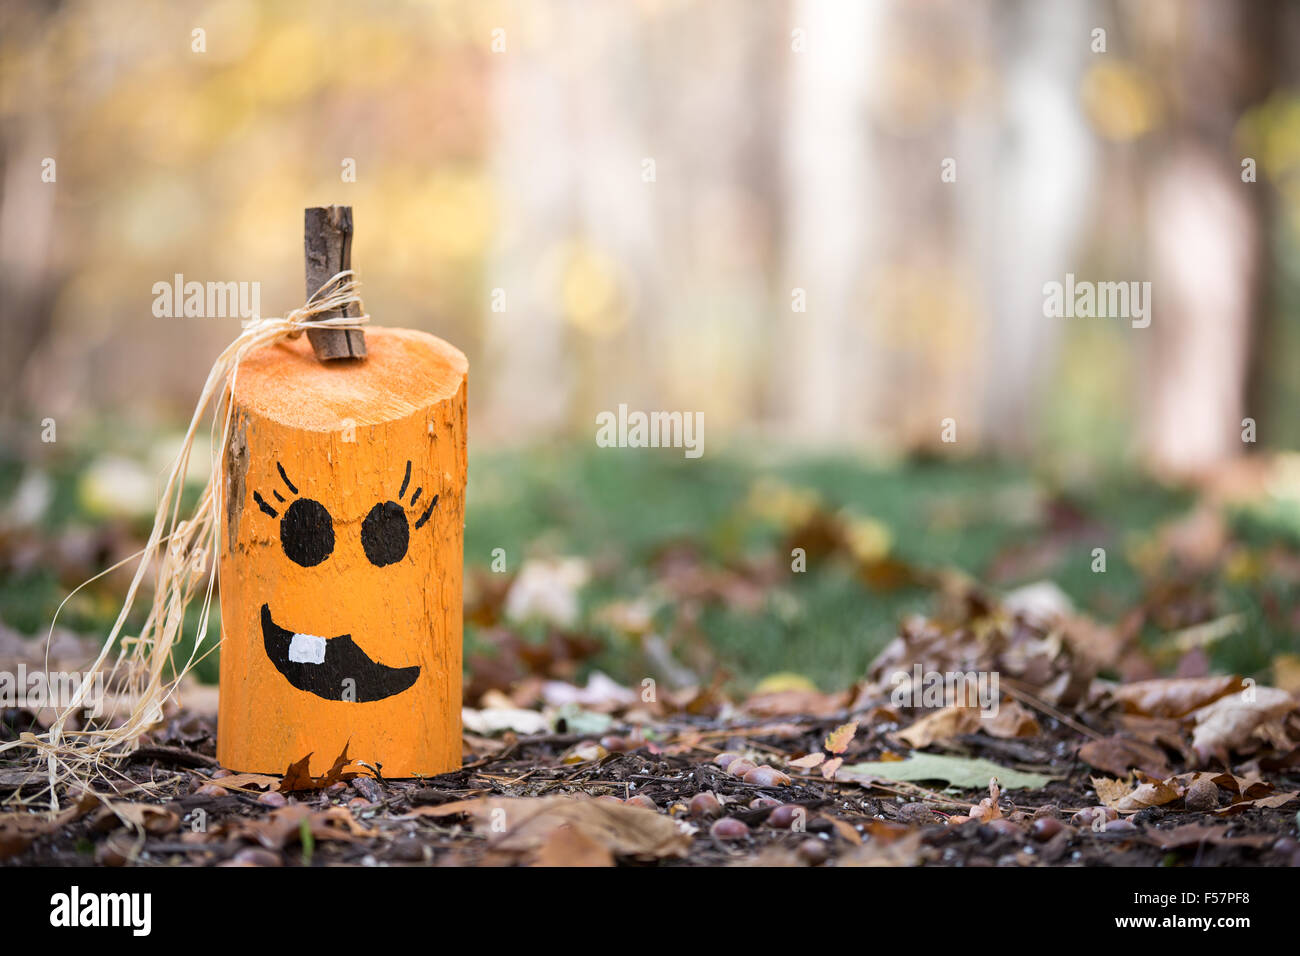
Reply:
x=903, y=850
x=1165, y=732
x=1245, y=787
x=284, y=826
x=810, y=761
x=524, y=824
x=585, y=751
x=145, y=816
x=941, y=725
x=569, y=846
x=13, y=841
x=838, y=740
x=1011, y=720
x=1173, y=696
x=19, y=828
x=1271, y=802
x=1109, y=791
x=1229, y=722
x=987, y=810
x=298, y=776
x=246, y=781
x=788, y=703
x=1286, y=672
x=1150, y=792
x=965, y=772
x=1121, y=755
x=1195, y=834
x=495, y=720
x=844, y=829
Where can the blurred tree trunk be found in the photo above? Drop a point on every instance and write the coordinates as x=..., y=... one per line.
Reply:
x=528, y=369
x=1024, y=227
x=29, y=278
x=822, y=371
x=924, y=297
x=1207, y=236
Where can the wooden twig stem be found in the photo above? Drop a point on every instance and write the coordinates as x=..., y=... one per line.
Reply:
x=327, y=243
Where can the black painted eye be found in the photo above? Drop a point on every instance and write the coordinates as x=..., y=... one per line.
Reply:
x=307, y=532
x=384, y=534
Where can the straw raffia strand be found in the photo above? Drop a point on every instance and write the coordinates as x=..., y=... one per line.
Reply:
x=184, y=551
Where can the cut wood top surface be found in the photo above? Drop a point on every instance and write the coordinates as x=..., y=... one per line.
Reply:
x=406, y=371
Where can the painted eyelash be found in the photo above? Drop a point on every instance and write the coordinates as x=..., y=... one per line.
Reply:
x=415, y=496
x=427, y=511
x=262, y=503
x=406, y=480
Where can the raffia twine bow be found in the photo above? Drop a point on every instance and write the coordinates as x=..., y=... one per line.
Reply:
x=139, y=669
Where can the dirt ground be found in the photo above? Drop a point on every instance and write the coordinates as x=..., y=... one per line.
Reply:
x=582, y=799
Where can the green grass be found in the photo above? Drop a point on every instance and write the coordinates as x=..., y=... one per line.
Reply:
x=823, y=624
x=617, y=506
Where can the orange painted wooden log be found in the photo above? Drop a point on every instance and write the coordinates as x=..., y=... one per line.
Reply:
x=341, y=562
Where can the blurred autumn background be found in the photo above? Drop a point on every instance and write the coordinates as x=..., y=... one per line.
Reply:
x=640, y=189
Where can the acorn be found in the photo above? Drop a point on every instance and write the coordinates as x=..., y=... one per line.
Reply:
x=813, y=851
x=256, y=856
x=1044, y=828
x=729, y=828
x=1088, y=816
x=641, y=800
x=786, y=816
x=740, y=766
x=704, y=805
x=1202, y=795
x=1005, y=827
x=766, y=776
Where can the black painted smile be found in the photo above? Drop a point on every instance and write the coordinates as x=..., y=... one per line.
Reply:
x=334, y=668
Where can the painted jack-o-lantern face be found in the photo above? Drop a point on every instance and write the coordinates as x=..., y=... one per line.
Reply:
x=336, y=668
x=341, y=559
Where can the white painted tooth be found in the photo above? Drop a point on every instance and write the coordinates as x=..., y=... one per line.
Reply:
x=307, y=649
